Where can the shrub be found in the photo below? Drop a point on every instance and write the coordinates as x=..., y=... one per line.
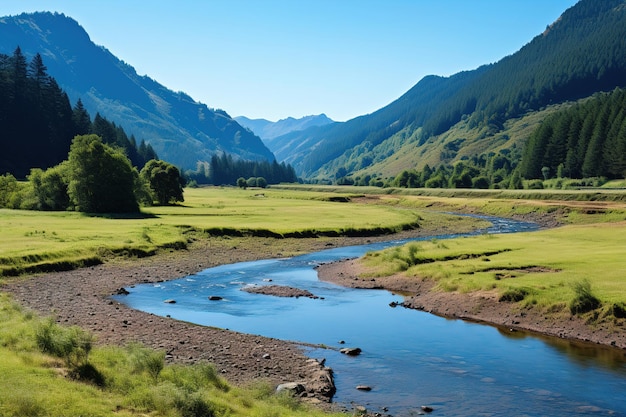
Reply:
x=193, y=405
x=534, y=185
x=584, y=300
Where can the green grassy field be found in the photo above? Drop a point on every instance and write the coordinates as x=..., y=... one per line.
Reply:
x=43, y=241
x=539, y=269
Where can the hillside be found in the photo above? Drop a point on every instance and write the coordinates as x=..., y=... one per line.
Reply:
x=443, y=120
x=180, y=130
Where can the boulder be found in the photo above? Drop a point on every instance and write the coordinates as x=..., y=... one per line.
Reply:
x=363, y=387
x=215, y=298
x=351, y=351
x=169, y=301
x=295, y=388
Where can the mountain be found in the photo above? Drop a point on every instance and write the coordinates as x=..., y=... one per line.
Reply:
x=268, y=130
x=446, y=119
x=181, y=130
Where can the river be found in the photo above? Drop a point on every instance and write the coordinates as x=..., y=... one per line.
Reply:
x=410, y=358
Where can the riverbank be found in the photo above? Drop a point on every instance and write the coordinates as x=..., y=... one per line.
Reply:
x=479, y=306
x=82, y=297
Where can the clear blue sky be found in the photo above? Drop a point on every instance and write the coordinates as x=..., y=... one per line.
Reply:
x=277, y=58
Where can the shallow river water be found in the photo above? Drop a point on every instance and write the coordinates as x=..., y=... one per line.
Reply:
x=410, y=358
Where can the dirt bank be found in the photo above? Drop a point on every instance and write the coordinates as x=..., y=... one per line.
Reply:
x=482, y=306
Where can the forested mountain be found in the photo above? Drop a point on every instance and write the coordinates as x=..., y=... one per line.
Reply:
x=268, y=130
x=181, y=130
x=583, y=52
x=586, y=140
x=38, y=122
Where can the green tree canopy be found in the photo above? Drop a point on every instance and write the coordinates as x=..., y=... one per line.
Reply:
x=164, y=180
x=101, y=178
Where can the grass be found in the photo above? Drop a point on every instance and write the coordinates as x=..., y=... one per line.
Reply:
x=45, y=241
x=133, y=381
x=548, y=269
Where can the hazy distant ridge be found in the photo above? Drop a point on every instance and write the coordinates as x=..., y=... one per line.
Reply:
x=268, y=130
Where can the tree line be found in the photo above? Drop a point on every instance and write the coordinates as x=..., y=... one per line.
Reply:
x=95, y=178
x=225, y=170
x=37, y=122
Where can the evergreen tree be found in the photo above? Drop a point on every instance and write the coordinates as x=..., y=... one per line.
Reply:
x=81, y=119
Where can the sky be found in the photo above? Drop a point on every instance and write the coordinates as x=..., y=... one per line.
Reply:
x=274, y=59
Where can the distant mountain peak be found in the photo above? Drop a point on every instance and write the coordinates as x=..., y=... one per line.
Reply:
x=268, y=130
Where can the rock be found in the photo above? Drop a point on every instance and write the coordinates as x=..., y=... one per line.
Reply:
x=427, y=409
x=351, y=351
x=215, y=298
x=266, y=356
x=122, y=291
x=295, y=388
x=170, y=301
x=363, y=387
x=320, y=381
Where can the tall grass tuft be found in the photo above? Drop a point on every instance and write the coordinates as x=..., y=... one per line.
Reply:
x=72, y=344
x=584, y=300
x=147, y=360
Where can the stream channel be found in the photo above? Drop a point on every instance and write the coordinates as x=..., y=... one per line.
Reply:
x=410, y=358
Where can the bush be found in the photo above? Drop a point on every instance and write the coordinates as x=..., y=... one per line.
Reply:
x=584, y=301
x=147, y=360
x=193, y=405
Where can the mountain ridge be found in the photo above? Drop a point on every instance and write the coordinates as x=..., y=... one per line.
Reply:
x=268, y=130
x=581, y=53
x=180, y=129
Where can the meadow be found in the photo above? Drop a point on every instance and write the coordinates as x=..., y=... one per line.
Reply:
x=553, y=270
x=34, y=241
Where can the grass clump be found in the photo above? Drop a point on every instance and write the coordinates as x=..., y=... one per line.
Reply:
x=584, y=300
x=513, y=295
